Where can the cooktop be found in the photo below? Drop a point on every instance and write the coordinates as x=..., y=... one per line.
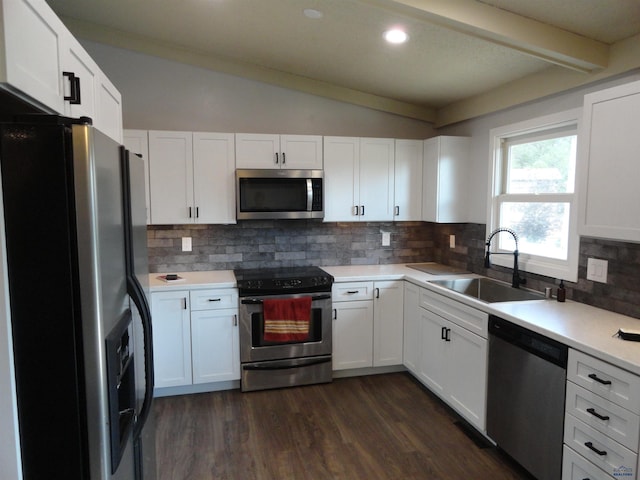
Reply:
x=274, y=281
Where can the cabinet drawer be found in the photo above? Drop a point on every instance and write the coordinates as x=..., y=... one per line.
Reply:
x=599, y=449
x=608, y=381
x=575, y=467
x=467, y=317
x=214, y=299
x=605, y=416
x=346, y=292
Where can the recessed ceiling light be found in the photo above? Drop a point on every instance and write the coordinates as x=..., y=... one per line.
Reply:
x=312, y=13
x=395, y=36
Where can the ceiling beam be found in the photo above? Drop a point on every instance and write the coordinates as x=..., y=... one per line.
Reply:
x=499, y=26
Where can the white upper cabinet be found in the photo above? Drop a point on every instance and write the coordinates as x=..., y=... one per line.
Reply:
x=81, y=75
x=41, y=62
x=137, y=141
x=191, y=177
x=214, y=177
x=609, y=164
x=445, y=179
x=171, y=177
x=33, y=38
x=359, y=179
x=301, y=152
x=408, y=181
x=108, y=117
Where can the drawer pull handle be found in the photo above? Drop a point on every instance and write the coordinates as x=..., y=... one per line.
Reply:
x=590, y=446
x=593, y=412
x=214, y=300
x=352, y=292
x=235, y=320
x=595, y=377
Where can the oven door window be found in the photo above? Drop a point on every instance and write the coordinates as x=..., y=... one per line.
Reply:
x=257, y=329
x=273, y=195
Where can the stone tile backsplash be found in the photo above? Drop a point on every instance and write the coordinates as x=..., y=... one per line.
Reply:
x=254, y=244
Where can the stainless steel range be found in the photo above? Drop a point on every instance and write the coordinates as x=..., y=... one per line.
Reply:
x=285, y=358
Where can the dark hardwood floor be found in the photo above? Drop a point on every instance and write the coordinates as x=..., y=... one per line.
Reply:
x=373, y=427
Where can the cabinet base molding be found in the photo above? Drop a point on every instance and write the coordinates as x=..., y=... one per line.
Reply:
x=359, y=372
x=199, y=388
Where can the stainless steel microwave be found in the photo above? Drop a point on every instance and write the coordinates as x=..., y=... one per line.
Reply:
x=279, y=194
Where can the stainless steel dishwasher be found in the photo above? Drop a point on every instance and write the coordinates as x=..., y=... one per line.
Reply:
x=525, y=397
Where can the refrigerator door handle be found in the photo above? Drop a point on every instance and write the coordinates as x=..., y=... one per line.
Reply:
x=140, y=300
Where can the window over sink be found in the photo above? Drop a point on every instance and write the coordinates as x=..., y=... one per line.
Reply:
x=533, y=171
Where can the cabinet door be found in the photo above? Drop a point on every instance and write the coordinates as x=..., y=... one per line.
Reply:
x=215, y=345
x=376, y=179
x=302, y=152
x=76, y=60
x=408, y=181
x=434, y=350
x=171, y=177
x=609, y=165
x=137, y=141
x=467, y=374
x=171, y=338
x=387, y=323
x=254, y=150
x=411, y=349
x=341, y=178
x=33, y=37
x=214, y=178
x=109, y=108
x=445, y=176
x=353, y=335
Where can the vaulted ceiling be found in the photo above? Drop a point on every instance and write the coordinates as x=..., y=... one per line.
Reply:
x=463, y=58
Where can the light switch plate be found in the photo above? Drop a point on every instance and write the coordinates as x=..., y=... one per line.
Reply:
x=186, y=244
x=597, y=270
x=452, y=241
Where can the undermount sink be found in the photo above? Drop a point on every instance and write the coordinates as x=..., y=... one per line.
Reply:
x=488, y=290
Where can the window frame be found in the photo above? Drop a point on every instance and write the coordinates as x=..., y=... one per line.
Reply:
x=547, y=266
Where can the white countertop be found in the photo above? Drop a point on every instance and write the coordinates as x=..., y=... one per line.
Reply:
x=585, y=328
x=191, y=280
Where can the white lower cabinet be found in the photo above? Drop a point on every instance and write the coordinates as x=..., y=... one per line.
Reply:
x=195, y=337
x=602, y=420
x=411, y=339
x=387, y=323
x=353, y=335
x=171, y=338
x=367, y=325
x=448, y=352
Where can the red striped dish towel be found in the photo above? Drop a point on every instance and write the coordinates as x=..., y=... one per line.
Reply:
x=287, y=320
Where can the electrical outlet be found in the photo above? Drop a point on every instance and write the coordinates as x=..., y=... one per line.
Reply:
x=452, y=241
x=386, y=239
x=186, y=244
x=597, y=270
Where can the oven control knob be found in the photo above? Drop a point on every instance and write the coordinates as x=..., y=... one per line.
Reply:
x=253, y=284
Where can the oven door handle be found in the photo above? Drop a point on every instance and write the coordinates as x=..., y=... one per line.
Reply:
x=303, y=363
x=259, y=301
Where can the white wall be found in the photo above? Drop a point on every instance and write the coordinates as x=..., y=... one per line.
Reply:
x=165, y=95
x=479, y=129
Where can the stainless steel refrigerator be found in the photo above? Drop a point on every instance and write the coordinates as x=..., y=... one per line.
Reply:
x=76, y=254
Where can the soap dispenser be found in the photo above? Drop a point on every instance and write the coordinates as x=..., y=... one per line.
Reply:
x=562, y=293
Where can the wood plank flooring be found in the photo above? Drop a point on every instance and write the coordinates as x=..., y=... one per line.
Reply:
x=374, y=427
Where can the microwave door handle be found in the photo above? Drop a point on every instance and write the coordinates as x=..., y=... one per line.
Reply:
x=309, y=195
